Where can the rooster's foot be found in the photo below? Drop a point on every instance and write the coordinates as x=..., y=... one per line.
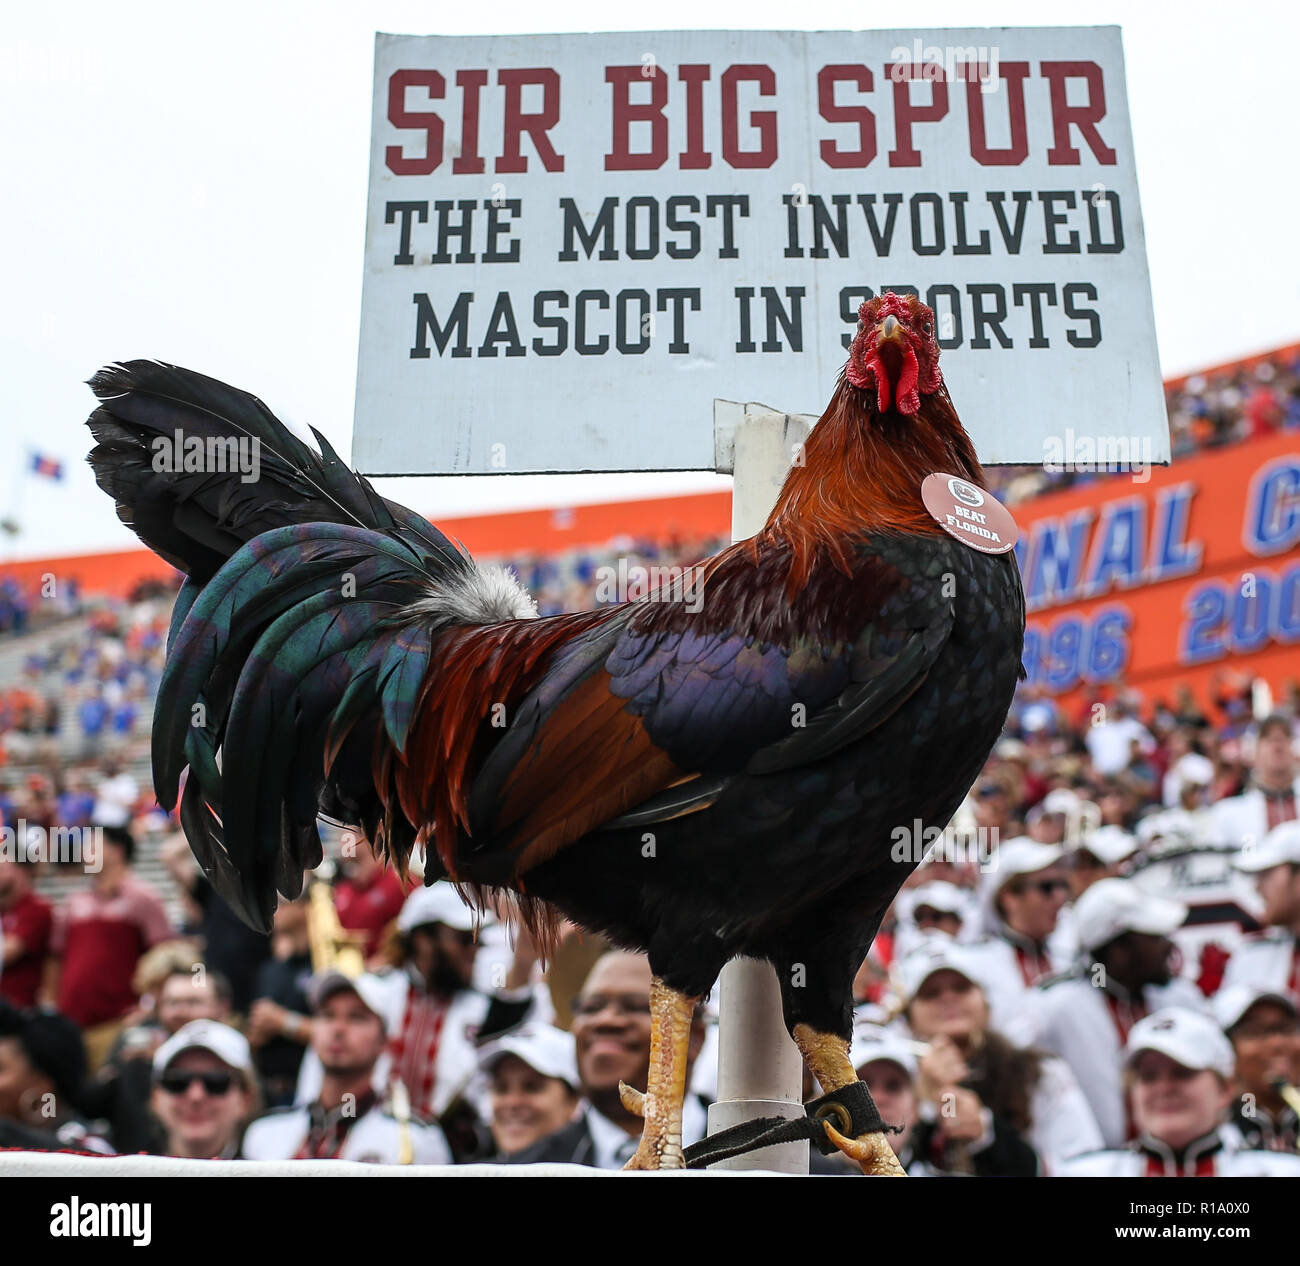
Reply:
x=661, y=1105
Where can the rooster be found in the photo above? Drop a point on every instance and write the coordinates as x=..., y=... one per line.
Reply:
x=695, y=779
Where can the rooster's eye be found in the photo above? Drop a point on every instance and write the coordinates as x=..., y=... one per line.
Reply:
x=925, y=329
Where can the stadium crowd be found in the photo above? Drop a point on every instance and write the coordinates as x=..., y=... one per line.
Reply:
x=1095, y=971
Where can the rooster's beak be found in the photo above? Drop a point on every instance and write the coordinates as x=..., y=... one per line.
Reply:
x=891, y=330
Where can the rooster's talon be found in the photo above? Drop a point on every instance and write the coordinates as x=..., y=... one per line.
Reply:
x=633, y=1100
x=871, y=1151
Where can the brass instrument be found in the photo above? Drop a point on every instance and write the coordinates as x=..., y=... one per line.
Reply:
x=1291, y=1097
x=332, y=947
x=1081, y=820
x=399, y=1102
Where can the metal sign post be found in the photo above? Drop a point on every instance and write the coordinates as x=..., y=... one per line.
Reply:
x=760, y=1073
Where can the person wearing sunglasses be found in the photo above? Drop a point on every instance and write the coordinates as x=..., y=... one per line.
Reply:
x=933, y=906
x=1179, y=1067
x=204, y=1091
x=1024, y=939
x=1125, y=973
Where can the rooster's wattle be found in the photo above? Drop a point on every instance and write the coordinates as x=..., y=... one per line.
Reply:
x=695, y=779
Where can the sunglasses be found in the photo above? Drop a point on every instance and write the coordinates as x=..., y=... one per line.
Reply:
x=212, y=1083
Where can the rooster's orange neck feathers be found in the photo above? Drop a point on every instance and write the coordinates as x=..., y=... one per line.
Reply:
x=861, y=473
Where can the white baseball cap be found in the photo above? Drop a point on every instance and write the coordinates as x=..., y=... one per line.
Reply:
x=369, y=988
x=1280, y=845
x=941, y=895
x=1011, y=749
x=1060, y=800
x=1021, y=856
x=1230, y=1005
x=1112, y=907
x=551, y=1051
x=438, y=903
x=227, y=1044
x=1193, y=769
x=873, y=1041
x=1187, y=1037
x=937, y=952
x=1108, y=844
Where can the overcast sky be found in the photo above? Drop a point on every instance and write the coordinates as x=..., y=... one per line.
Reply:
x=188, y=182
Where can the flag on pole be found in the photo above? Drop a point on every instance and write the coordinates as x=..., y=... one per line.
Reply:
x=50, y=467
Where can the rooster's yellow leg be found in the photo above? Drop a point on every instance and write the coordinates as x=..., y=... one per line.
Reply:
x=827, y=1057
x=661, y=1105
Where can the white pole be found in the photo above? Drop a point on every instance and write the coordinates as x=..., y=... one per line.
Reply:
x=760, y=1073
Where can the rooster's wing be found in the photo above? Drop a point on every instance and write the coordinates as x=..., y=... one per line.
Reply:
x=648, y=716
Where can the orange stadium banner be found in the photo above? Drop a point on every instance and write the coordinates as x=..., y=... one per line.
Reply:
x=1166, y=577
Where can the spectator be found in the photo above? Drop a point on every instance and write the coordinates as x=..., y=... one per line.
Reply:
x=1021, y=897
x=934, y=906
x=438, y=1015
x=279, y=1026
x=991, y=806
x=203, y=1091
x=1188, y=771
x=1086, y=1015
x=1181, y=1066
x=92, y=713
x=369, y=896
x=348, y=1119
x=611, y=1027
x=42, y=1067
x=1111, y=741
x=987, y=1106
x=1049, y=821
x=26, y=921
x=230, y=946
x=1244, y=820
x=77, y=801
x=1264, y=1029
x=115, y=796
x=1100, y=854
x=885, y=1061
x=534, y=1073
x=99, y=936
x=123, y=1090
x=1271, y=959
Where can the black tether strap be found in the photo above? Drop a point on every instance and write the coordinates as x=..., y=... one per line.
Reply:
x=851, y=1111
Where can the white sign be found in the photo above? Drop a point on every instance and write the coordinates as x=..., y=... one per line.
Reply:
x=575, y=243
